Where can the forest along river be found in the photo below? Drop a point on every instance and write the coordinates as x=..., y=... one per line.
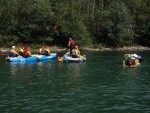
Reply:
x=99, y=85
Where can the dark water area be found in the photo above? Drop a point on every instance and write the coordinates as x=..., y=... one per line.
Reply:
x=99, y=85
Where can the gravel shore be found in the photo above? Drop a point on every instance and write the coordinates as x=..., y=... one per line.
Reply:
x=57, y=49
x=131, y=48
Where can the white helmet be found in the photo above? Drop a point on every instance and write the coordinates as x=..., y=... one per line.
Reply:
x=135, y=55
x=13, y=47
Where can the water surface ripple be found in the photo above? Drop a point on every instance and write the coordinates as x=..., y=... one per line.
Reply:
x=100, y=85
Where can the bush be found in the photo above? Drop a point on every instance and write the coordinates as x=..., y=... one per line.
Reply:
x=8, y=40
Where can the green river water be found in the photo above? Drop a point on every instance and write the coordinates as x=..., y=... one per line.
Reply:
x=99, y=85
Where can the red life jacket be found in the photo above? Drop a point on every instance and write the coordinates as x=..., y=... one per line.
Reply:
x=25, y=52
x=72, y=42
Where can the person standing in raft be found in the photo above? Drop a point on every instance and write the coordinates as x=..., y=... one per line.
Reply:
x=13, y=53
x=71, y=45
x=41, y=50
x=21, y=50
x=27, y=52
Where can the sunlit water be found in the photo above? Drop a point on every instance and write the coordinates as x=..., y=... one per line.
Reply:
x=99, y=85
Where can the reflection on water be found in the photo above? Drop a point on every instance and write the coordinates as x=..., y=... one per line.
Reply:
x=28, y=67
x=74, y=73
x=31, y=73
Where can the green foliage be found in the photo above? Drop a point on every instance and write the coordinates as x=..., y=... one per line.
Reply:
x=120, y=33
x=113, y=26
x=107, y=22
x=77, y=30
x=8, y=40
x=7, y=17
x=140, y=9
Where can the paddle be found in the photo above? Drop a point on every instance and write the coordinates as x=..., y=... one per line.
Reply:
x=39, y=56
x=3, y=54
x=82, y=57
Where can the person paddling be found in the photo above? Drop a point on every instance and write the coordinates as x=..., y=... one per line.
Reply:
x=77, y=51
x=41, y=50
x=47, y=51
x=21, y=50
x=27, y=52
x=12, y=52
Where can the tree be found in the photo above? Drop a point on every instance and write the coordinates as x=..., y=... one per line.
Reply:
x=141, y=14
x=120, y=31
x=34, y=16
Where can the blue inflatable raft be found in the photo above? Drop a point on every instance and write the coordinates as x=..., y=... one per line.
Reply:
x=44, y=57
x=34, y=58
x=21, y=59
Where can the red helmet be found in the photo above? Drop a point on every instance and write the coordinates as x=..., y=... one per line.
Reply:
x=42, y=46
x=130, y=62
x=27, y=48
x=58, y=57
x=22, y=47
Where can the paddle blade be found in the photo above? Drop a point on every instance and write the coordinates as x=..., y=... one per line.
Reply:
x=3, y=54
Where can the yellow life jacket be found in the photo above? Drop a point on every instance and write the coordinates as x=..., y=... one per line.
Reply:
x=61, y=59
x=136, y=61
x=126, y=55
x=29, y=53
x=21, y=50
x=13, y=51
x=77, y=52
x=47, y=49
x=82, y=57
x=40, y=50
x=73, y=52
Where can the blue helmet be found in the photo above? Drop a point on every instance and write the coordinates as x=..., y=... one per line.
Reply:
x=139, y=57
x=70, y=38
x=84, y=55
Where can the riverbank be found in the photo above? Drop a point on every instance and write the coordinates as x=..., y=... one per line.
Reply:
x=60, y=49
x=131, y=48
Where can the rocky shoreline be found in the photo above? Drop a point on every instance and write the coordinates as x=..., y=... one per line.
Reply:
x=131, y=48
x=58, y=49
